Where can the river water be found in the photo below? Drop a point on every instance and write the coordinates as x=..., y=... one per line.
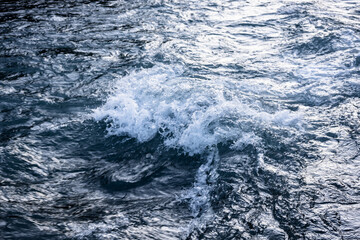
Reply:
x=180, y=119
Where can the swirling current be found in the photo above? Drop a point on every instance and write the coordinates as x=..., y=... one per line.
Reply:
x=166, y=119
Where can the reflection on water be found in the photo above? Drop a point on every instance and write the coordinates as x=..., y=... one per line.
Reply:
x=179, y=120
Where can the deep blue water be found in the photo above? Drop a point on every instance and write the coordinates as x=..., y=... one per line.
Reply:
x=180, y=119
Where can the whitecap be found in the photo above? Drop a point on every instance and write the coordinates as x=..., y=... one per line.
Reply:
x=188, y=113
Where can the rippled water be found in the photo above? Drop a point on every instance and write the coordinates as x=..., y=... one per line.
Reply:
x=180, y=119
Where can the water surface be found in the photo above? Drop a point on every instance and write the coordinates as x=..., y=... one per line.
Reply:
x=179, y=119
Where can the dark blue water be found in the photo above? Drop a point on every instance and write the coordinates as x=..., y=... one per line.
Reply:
x=180, y=119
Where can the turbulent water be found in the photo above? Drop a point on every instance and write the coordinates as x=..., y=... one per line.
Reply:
x=180, y=119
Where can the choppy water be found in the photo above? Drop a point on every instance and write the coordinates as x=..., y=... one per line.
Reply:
x=180, y=119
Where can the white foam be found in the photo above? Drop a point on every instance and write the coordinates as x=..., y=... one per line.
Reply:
x=57, y=18
x=103, y=229
x=246, y=139
x=7, y=90
x=199, y=195
x=189, y=113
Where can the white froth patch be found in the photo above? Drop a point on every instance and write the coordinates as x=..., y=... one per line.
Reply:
x=7, y=90
x=112, y=57
x=246, y=139
x=102, y=230
x=189, y=113
x=57, y=18
x=199, y=195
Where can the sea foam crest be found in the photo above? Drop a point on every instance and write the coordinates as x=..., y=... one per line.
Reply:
x=192, y=114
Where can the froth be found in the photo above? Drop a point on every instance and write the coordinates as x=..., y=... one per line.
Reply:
x=188, y=113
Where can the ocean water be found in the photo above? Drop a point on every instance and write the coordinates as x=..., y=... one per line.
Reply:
x=180, y=119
